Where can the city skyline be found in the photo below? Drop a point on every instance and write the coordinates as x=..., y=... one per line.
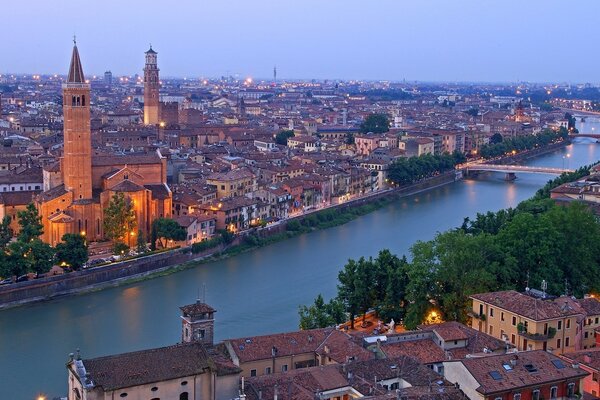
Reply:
x=534, y=41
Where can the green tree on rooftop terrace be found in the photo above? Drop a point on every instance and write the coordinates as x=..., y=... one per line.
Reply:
x=376, y=123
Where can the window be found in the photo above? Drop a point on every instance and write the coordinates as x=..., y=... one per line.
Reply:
x=568, y=324
x=123, y=395
x=535, y=395
x=512, y=338
x=595, y=377
x=571, y=390
x=501, y=316
x=596, y=320
x=558, y=343
x=559, y=325
x=268, y=371
x=491, y=329
x=184, y=396
x=514, y=321
x=252, y=372
x=154, y=389
x=491, y=312
x=553, y=392
x=481, y=309
x=585, y=335
x=517, y=396
x=567, y=341
x=284, y=368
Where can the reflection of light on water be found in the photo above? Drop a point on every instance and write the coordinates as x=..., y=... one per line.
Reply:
x=131, y=293
x=511, y=194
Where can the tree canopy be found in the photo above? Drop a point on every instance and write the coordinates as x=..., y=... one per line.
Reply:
x=376, y=123
x=165, y=229
x=119, y=218
x=72, y=251
x=283, y=136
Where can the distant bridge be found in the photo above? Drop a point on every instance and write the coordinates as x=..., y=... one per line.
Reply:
x=512, y=169
x=586, y=135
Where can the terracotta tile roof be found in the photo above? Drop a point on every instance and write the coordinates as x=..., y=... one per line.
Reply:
x=261, y=347
x=533, y=368
x=591, y=305
x=53, y=193
x=476, y=341
x=589, y=357
x=197, y=308
x=148, y=366
x=160, y=191
x=129, y=159
x=17, y=198
x=528, y=306
x=339, y=346
x=127, y=186
x=425, y=351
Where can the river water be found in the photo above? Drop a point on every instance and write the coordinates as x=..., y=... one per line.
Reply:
x=254, y=293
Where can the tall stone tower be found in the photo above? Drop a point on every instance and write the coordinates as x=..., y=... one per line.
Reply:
x=151, y=89
x=77, y=157
x=198, y=323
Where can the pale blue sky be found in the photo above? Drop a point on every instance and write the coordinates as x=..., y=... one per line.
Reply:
x=460, y=40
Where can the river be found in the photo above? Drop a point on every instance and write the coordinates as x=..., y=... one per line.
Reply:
x=254, y=293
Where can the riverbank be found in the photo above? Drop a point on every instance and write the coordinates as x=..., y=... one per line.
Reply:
x=153, y=266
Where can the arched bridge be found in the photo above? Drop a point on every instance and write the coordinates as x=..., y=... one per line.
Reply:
x=512, y=169
x=586, y=135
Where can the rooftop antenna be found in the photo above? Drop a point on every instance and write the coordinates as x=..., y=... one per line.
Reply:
x=544, y=286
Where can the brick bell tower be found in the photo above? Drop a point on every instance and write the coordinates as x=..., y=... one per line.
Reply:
x=198, y=323
x=77, y=156
x=151, y=89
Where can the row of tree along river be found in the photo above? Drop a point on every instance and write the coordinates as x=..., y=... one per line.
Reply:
x=256, y=292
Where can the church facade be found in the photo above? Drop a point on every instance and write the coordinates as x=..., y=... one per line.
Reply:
x=74, y=202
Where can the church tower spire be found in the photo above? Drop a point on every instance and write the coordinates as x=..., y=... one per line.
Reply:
x=77, y=154
x=151, y=89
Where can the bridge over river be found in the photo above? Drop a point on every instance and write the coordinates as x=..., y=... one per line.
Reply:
x=511, y=170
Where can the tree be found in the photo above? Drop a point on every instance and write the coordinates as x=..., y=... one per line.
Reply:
x=571, y=121
x=33, y=256
x=283, y=136
x=141, y=244
x=72, y=251
x=346, y=290
x=119, y=218
x=30, y=222
x=376, y=123
x=496, y=138
x=167, y=229
x=6, y=232
x=473, y=112
x=321, y=314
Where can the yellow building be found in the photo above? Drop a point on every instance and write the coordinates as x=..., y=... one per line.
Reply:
x=535, y=321
x=237, y=182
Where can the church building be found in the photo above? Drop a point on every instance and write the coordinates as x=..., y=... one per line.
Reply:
x=73, y=201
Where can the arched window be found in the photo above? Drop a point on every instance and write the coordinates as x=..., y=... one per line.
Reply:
x=78, y=101
x=73, y=101
x=83, y=100
x=183, y=396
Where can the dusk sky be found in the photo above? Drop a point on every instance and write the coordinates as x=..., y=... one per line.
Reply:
x=461, y=40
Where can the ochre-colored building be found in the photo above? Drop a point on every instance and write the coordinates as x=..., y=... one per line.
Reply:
x=74, y=202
